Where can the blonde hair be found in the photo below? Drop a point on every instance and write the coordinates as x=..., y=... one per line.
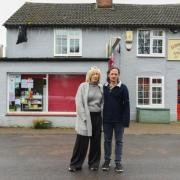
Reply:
x=91, y=71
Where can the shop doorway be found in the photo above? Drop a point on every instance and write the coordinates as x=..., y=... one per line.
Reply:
x=178, y=100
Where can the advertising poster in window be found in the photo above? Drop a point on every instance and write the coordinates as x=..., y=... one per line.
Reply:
x=11, y=88
x=174, y=49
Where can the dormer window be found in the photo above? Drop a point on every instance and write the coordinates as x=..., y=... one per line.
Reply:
x=67, y=42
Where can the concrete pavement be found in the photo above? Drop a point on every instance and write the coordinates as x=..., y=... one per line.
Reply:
x=151, y=152
x=135, y=128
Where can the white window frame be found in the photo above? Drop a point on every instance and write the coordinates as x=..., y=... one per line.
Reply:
x=68, y=32
x=151, y=54
x=151, y=105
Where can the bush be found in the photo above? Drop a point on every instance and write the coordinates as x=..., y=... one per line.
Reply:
x=40, y=123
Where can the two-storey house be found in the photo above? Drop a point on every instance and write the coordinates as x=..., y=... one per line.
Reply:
x=51, y=46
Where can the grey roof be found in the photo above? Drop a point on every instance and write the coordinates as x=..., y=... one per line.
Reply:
x=125, y=15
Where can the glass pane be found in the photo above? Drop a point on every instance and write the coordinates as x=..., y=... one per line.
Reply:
x=77, y=45
x=146, y=94
x=154, y=101
x=147, y=34
x=140, y=95
x=143, y=91
x=26, y=92
x=159, y=95
x=146, y=101
x=144, y=42
x=160, y=50
x=146, y=87
x=147, y=50
x=155, y=50
x=141, y=50
x=59, y=98
x=159, y=101
x=140, y=88
x=61, y=44
x=140, y=101
x=160, y=43
x=71, y=45
x=157, y=33
x=156, y=81
x=74, y=45
x=146, y=80
x=154, y=94
x=147, y=42
x=64, y=50
x=140, y=80
x=155, y=42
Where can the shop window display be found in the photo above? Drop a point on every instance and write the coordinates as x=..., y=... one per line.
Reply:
x=43, y=92
x=26, y=92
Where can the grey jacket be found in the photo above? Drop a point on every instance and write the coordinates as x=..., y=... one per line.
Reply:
x=83, y=121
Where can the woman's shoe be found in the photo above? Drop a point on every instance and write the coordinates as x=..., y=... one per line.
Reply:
x=74, y=169
x=93, y=168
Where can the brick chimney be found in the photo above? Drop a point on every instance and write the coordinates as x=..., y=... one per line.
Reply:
x=104, y=3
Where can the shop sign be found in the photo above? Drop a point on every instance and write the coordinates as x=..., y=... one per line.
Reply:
x=174, y=49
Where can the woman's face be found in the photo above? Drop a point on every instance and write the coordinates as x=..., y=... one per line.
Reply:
x=95, y=77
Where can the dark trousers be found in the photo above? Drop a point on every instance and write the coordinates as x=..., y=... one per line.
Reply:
x=108, y=134
x=81, y=145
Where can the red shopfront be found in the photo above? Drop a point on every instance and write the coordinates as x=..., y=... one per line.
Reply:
x=43, y=92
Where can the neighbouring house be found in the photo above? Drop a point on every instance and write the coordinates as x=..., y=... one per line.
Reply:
x=51, y=46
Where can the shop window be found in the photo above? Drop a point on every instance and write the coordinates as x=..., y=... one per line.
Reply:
x=61, y=92
x=43, y=92
x=26, y=92
x=150, y=91
x=151, y=43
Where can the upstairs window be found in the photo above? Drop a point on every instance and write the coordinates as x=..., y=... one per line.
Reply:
x=150, y=91
x=68, y=42
x=151, y=43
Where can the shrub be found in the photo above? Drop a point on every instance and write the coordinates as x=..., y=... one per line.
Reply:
x=40, y=123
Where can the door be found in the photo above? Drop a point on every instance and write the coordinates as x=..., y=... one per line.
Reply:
x=178, y=100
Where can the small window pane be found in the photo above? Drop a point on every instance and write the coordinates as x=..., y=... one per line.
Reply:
x=146, y=101
x=157, y=33
x=140, y=101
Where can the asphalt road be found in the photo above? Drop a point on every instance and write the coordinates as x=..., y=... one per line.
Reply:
x=46, y=157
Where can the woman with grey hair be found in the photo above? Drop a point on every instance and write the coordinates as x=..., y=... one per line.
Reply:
x=89, y=103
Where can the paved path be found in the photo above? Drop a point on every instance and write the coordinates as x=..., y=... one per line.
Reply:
x=135, y=128
x=42, y=156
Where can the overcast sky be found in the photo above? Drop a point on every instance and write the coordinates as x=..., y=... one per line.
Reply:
x=8, y=7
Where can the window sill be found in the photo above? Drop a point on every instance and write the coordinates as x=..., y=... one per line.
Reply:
x=66, y=114
x=151, y=55
x=67, y=55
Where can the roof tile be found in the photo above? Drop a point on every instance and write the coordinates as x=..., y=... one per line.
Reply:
x=51, y=14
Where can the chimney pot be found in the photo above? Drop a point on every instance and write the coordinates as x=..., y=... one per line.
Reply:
x=104, y=3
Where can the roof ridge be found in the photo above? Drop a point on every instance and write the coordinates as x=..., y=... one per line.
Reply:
x=86, y=14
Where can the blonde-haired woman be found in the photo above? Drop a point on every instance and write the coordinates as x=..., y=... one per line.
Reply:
x=89, y=103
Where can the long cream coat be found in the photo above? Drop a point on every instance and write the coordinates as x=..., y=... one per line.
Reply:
x=83, y=121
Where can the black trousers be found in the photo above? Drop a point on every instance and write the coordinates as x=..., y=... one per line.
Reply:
x=82, y=142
